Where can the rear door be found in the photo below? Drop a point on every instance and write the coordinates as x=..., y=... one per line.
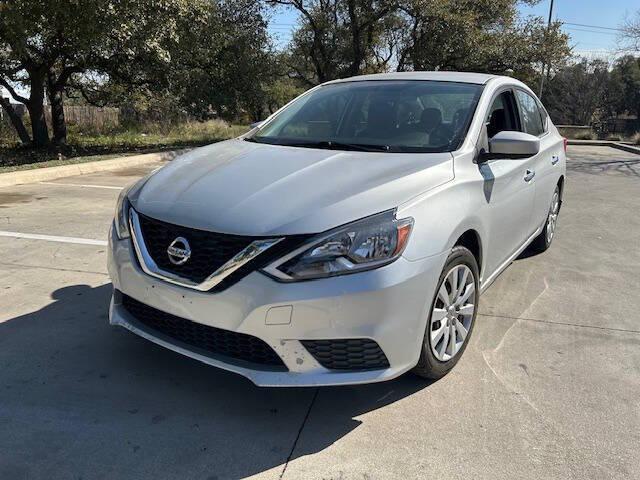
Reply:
x=535, y=121
x=508, y=187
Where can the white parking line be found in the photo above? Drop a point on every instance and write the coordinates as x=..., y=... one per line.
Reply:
x=108, y=187
x=54, y=238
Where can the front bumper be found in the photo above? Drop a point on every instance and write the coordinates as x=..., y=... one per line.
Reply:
x=388, y=305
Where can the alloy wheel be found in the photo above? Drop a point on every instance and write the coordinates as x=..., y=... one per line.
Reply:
x=452, y=313
x=552, y=219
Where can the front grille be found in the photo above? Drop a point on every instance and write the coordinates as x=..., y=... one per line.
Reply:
x=209, y=250
x=234, y=345
x=347, y=354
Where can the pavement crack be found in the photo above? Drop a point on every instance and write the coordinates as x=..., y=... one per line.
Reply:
x=553, y=322
x=506, y=386
x=304, y=422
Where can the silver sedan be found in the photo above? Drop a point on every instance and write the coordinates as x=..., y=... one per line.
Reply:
x=348, y=237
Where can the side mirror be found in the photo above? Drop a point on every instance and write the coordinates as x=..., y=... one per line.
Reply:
x=256, y=124
x=512, y=145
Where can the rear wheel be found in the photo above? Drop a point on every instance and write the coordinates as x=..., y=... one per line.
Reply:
x=452, y=315
x=543, y=241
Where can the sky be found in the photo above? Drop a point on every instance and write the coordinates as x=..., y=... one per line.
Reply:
x=594, y=40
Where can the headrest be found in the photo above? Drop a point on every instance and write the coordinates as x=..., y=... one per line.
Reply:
x=430, y=118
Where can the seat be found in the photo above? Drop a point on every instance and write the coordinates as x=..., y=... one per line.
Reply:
x=430, y=119
x=380, y=121
x=431, y=123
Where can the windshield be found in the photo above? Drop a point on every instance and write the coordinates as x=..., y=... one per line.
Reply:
x=401, y=116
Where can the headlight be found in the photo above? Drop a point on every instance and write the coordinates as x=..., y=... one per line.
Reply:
x=121, y=220
x=363, y=245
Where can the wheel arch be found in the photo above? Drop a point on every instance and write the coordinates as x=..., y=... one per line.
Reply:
x=561, y=185
x=470, y=239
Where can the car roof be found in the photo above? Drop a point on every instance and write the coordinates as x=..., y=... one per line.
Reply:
x=460, y=77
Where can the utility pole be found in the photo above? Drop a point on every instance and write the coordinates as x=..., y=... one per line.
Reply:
x=546, y=35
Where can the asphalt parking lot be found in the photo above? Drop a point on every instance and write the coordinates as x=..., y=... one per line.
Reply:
x=548, y=388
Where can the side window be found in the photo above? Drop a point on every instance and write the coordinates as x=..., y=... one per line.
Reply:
x=531, y=117
x=545, y=117
x=501, y=116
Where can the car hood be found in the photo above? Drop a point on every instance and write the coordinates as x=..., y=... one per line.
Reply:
x=256, y=189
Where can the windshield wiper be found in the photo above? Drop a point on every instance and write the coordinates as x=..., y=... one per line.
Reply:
x=331, y=145
x=326, y=144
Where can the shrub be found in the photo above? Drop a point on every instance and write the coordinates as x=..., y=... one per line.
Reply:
x=588, y=135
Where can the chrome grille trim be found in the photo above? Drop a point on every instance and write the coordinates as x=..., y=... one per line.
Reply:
x=150, y=267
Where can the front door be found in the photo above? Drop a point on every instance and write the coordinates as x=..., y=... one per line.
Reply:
x=509, y=189
x=547, y=164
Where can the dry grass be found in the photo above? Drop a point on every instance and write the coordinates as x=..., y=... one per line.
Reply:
x=148, y=138
x=589, y=135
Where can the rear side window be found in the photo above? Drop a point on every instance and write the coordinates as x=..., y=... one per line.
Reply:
x=545, y=117
x=531, y=116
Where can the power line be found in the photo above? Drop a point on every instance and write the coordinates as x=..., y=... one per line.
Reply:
x=590, y=31
x=593, y=26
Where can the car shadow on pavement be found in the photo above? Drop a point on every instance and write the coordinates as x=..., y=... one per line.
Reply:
x=625, y=167
x=82, y=399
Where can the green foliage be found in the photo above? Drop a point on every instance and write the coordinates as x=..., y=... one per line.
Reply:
x=576, y=94
x=338, y=38
x=625, y=85
x=592, y=91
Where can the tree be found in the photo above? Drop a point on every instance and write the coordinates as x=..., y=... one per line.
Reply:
x=483, y=36
x=217, y=63
x=44, y=43
x=337, y=38
x=223, y=60
x=577, y=93
x=625, y=81
x=630, y=37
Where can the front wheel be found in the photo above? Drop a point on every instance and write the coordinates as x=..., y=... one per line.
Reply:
x=452, y=315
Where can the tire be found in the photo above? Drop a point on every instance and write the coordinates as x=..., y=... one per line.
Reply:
x=543, y=241
x=436, y=361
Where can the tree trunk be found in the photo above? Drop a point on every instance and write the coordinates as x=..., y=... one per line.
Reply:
x=39, y=130
x=16, y=121
x=58, y=122
x=356, y=40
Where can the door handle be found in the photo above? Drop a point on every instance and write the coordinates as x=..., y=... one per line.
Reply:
x=555, y=159
x=529, y=175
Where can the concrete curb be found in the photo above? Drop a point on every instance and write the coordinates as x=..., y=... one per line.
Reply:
x=606, y=143
x=51, y=173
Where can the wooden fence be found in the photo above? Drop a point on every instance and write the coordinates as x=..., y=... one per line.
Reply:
x=83, y=116
x=88, y=116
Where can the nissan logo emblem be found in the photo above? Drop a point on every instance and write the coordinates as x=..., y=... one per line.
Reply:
x=179, y=251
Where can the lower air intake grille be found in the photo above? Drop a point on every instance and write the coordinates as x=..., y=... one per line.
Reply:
x=347, y=354
x=235, y=345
